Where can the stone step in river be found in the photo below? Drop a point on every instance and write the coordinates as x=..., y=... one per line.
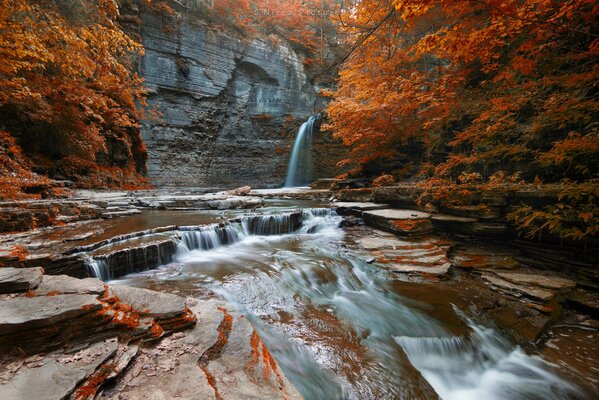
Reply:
x=150, y=249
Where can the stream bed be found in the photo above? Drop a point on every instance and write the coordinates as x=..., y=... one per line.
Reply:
x=342, y=328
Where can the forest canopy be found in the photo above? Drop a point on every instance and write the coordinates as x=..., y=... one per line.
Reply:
x=459, y=93
x=69, y=95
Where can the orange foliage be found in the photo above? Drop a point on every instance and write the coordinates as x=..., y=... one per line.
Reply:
x=91, y=385
x=493, y=83
x=300, y=22
x=383, y=180
x=66, y=84
x=474, y=92
x=16, y=178
x=19, y=251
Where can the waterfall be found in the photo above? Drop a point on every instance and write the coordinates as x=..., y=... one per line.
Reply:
x=300, y=164
x=98, y=268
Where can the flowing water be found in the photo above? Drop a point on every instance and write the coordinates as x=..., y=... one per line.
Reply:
x=338, y=326
x=299, y=171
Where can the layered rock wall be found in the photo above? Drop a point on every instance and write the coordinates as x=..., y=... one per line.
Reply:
x=230, y=106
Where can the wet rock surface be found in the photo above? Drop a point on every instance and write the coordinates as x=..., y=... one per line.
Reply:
x=80, y=342
x=178, y=347
x=497, y=283
x=88, y=205
x=53, y=376
x=222, y=357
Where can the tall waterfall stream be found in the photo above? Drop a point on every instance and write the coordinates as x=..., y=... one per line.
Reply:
x=299, y=170
x=339, y=327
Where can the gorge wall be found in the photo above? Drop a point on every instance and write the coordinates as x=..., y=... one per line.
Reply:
x=230, y=107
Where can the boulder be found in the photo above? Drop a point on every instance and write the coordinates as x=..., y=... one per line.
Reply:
x=19, y=279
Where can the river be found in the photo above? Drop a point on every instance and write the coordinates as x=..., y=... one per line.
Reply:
x=343, y=329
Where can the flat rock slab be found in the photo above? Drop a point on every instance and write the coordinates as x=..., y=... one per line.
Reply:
x=447, y=218
x=588, y=301
x=478, y=211
x=482, y=258
x=421, y=258
x=21, y=313
x=433, y=270
x=366, y=206
x=518, y=290
x=57, y=375
x=236, y=202
x=393, y=214
x=380, y=243
x=64, y=284
x=221, y=357
x=544, y=281
x=402, y=222
x=150, y=303
x=14, y=280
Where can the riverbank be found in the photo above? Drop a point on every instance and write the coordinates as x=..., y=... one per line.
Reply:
x=514, y=287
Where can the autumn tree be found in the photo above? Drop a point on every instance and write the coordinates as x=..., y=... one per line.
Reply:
x=69, y=95
x=487, y=87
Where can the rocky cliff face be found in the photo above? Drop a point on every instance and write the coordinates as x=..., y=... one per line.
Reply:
x=230, y=107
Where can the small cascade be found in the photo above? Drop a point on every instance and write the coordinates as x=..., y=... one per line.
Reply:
x=483, y=366
x=210, y=237
x=109, y=264
x=319, y=219
x=299, y=171
x=112, y=264
x=98, y=268
x=275, y=224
